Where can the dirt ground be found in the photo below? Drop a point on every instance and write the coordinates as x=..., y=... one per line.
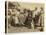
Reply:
x=21, y=29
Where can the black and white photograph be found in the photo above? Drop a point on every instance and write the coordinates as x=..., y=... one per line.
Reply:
x=24, y=17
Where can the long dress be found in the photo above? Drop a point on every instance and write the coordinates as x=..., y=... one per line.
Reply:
x=28, y=20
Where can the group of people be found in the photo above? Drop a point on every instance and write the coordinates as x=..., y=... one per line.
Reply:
x=19, y=16
x=24, y=17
